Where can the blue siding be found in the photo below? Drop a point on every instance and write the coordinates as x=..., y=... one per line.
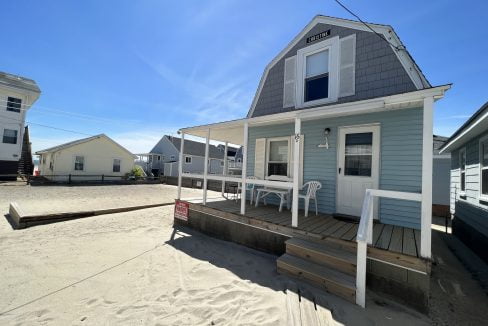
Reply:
x=400, y=165
x=469, y=208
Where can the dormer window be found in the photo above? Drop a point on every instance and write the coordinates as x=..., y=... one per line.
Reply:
x=318, y=73
x=316, y=85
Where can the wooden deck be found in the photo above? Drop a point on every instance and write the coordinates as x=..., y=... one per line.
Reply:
x=397, y=239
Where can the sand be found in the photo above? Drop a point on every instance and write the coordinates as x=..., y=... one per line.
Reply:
x=134, y=269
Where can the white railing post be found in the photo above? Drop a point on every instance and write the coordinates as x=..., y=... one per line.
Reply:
x=205, y=168
x=224, y=172
x=296, y=171
x=244, y=168
x=370, y=220
x=180, y=165
x=427, y=157
x=361, y=274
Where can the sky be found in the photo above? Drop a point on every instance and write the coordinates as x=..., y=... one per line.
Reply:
x=136, y=70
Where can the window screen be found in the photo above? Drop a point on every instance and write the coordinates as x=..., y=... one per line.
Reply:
x=116, y=165
x=79, y=163
x=317, y=76
x=484, y=168
x=358, y=154
x=9, y=136
x=462, y=168
x=14, y=104
x=278, y=158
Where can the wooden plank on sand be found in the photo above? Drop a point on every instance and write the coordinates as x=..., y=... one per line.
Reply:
x=293, y=306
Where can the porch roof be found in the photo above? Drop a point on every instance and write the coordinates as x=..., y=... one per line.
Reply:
x=233, y=131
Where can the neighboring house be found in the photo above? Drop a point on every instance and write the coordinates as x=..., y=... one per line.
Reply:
x=17, y=95
x=469, y=181
x=440, y=179
x=350, y=108
x=86, y=159
x=163, y=158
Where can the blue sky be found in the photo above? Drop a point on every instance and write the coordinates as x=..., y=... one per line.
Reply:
x=136, y=70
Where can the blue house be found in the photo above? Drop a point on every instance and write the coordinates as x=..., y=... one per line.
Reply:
x=344, y=104
x=469, y=181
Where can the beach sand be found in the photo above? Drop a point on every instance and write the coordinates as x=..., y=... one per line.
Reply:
x=133, y=268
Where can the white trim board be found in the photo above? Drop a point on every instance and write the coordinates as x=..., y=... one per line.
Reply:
x=387, y=31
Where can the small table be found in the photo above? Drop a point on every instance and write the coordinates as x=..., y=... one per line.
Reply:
x=283, y=193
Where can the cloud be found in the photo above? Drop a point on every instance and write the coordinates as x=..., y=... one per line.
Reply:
x=456, y=117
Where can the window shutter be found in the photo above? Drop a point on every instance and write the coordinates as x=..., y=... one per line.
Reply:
x=292, y=148
x=347, y=72
x=260, y=158
x=289, y=82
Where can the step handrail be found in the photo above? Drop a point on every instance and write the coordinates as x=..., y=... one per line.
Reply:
x=365, y=234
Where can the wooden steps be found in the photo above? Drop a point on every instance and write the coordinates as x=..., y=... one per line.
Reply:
x=323, y=265
x=321, y=253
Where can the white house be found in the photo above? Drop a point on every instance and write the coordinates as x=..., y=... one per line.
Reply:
x=86, y=159
x=17, y=94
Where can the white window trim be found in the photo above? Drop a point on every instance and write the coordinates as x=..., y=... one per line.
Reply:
x=333, y=46
x=481, y=196
x=113, y=159
x=74, y=163
x=462, y=192
x=268, y=152
x=191, y=159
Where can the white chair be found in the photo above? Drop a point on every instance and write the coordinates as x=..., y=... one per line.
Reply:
x=312, y=188
x=251, y=187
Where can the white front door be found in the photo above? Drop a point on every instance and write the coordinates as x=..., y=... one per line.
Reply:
x=358, y=166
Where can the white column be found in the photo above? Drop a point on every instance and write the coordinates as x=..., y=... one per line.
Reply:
x=180, y=164
x=426, y=211
x=205, y=168
x=225, y=168
x=244, y=169
x=296, y=172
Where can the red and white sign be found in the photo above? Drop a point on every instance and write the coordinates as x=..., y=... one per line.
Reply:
x=181, y=210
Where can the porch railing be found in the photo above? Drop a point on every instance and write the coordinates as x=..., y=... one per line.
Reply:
x=365, y=234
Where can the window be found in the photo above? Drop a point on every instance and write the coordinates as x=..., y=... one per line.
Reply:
x=358, y=154
x=277, y=157
x=116, y=165
x=43, y=159
x=462, y=169
x=14, y=104
x=188, y=159
x=239, y=160
x=316, y=85
x=159, y=157
x=221, y=163
x=317, y=73
x=79, y=163
x=172, y=157
x=484, y=167
x=9, y=136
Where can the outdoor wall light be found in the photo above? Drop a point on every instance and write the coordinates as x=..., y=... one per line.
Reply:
x=326, y=134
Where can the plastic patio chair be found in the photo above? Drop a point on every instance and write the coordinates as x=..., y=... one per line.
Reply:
x=249, y=187
x=312, y=188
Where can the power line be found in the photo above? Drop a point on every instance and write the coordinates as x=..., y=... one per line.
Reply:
x=381, y=36
x=46, y=126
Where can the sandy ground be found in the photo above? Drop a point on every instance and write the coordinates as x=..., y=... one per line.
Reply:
x=62, y=198
x=134, y=269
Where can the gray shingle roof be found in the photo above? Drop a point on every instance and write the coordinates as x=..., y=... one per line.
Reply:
x=438, y=142
x=18, y=82
x=196, y=148
x=79, y=141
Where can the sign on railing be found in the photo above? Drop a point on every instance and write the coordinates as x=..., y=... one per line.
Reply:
x=181, y=210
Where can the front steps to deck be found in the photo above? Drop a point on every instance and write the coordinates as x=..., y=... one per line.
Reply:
x=325, y=265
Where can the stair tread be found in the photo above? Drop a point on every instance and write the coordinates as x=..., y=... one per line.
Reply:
x=321, y=271
x=324, y=248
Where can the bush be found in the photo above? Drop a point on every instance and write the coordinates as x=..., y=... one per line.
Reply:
x=136, y=172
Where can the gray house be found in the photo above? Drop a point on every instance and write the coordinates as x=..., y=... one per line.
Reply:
x=469, y=181
x=343, y=104
x=441, y=173
x=163, y=158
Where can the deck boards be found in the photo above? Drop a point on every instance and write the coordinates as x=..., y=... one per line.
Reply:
x=388, y=237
